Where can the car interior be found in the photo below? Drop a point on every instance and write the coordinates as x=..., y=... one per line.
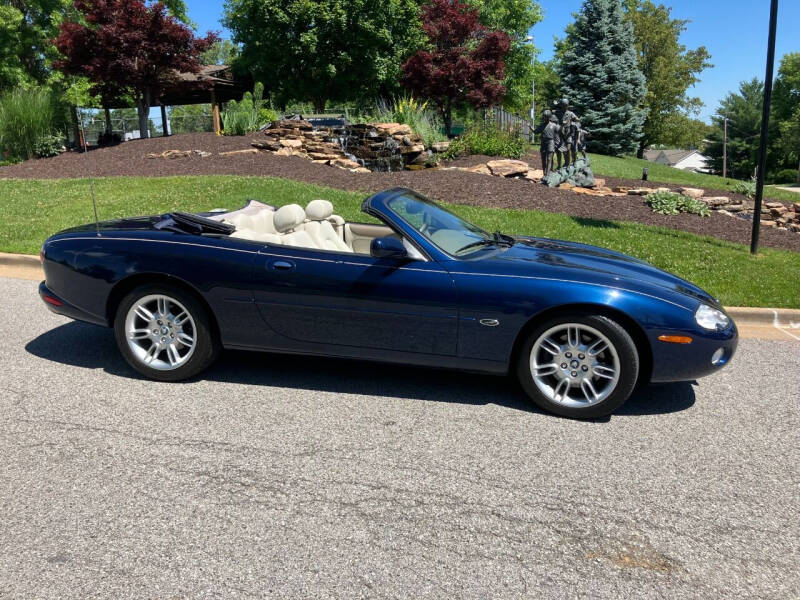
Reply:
x=313, y=227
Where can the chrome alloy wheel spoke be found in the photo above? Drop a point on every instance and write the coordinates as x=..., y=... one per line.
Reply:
x=161, y=332
x=575, y=365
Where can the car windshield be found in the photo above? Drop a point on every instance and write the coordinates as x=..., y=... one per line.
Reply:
x=450, y=233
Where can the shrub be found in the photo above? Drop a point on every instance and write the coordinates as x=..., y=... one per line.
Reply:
x=786, y=176
x=48, y=145
x=409, y=111
x=746, y=188
x=670, y=203
x=26, y=116
x=246, y=116
x=489, y=140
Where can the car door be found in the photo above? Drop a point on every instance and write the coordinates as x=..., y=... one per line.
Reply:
x=311, y=298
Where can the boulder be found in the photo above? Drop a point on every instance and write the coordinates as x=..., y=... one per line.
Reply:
x=716, y=200
x=345, y=163
x=639, y=191
x=412, y=149
x=482, y=169
x=287, y=143
x=323, y=156
x=599, y=182
x=534, y=174
x=773, y=204
x=392, y=128
x=621, y=189
x=440, y=146
x=734, y=207
x=238, y=152
x=691, y=192
x=406, y=141
x=508, y=167
x=268, y=145
x=796, y=207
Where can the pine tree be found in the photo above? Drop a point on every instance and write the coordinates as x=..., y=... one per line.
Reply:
x=601, y=78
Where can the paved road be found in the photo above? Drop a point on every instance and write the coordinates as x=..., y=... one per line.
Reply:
x=311, y=478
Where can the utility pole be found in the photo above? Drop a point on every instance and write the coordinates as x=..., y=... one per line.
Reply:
x=762, y=151
x=725, y=149
x=533, y=84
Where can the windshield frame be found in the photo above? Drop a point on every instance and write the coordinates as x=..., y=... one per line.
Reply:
x=382, y=202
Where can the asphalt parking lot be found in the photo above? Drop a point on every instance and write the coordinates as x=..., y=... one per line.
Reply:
x=300, y=477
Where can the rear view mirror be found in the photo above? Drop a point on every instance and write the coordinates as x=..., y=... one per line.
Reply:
x=388, y=247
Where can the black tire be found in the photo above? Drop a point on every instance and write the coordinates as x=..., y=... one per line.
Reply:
x=628, y=366
x=206, y=344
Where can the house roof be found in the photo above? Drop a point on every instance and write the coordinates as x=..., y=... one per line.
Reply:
x=670, y=156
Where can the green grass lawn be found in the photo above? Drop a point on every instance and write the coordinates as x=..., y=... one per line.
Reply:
x=34, y=209
x=631, y=168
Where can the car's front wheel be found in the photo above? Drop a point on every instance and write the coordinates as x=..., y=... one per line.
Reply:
x=580, y=366
x=165, y=333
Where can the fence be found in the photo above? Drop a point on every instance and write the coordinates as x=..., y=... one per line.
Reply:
x=510, y=122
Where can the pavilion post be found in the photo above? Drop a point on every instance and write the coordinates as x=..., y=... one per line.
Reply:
x=164, y=123
x=215, y=112
x=108, y=119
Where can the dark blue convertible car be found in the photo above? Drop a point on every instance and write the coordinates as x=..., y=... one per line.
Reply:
x=579, y=326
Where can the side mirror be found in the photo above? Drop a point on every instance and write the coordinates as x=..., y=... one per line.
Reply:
x=388, y=247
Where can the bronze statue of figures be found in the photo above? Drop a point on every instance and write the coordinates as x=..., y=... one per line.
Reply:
x=580, y=139
x=568, y=146
x=551, y=140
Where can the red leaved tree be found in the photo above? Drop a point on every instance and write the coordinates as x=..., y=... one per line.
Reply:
x=463, y=63
x=129, y=48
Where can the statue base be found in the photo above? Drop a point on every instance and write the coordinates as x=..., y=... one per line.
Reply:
x=578, y=174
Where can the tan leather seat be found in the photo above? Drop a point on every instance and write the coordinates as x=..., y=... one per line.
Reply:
x=288, y=223
x=319, y=227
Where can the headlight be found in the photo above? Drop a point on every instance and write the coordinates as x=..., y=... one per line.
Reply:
x=711, y=318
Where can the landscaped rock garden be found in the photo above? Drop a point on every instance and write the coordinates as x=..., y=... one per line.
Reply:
x=773, y=214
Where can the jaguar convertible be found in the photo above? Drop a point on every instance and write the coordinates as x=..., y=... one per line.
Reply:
x=580, y=327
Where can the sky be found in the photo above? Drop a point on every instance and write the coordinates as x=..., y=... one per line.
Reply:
x=733, y=31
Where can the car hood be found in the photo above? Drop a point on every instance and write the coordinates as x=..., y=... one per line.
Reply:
x=581, y=262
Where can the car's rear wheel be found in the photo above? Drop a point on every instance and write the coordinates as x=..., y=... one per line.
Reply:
x=581, y=366
x=165, y=333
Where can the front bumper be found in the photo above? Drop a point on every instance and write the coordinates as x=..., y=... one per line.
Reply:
x=687, y=362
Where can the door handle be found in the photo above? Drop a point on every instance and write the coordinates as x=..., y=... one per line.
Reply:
x=282, y=265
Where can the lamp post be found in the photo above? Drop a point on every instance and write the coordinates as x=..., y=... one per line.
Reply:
x=529, y=40
x=762, y=151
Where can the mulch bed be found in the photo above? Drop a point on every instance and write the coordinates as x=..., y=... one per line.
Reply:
x=129, y=158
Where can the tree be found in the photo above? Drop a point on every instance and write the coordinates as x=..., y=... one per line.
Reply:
x=669, y=70
x=516, y=18
x=463, y=63
x=324, y=50
x=601, y=77
x=682, y=131
x=786, y=110
x=743, y=111
x=221, y=52
x=26, y=29
x=130, y=48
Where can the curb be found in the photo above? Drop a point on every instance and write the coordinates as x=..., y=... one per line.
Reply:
x=762, y=316
x=19, y=260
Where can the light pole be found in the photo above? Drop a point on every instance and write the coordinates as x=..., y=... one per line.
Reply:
x=762, y=151
x=529, y=40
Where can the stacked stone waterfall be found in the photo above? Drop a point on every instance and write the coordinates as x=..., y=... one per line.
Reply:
x=359, y=148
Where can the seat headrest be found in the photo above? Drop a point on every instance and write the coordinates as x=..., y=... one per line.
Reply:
x=319, y=210
x=288, y=217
